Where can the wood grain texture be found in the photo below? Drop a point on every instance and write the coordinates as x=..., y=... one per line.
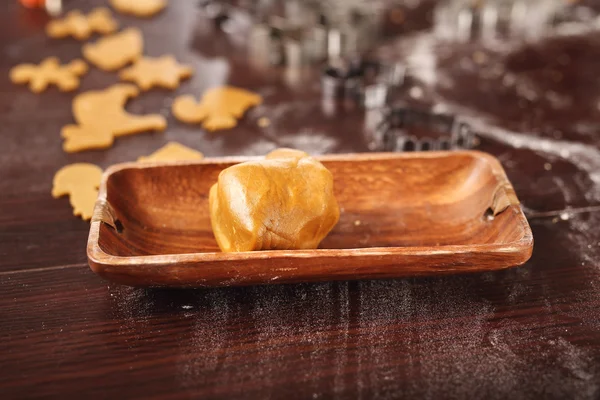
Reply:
x=522, y=333
x=328, y=340
x=401, y=215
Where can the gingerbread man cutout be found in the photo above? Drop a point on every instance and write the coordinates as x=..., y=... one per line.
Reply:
x=139, y=8
x=80, y=181
x=219, y=108
x=113, y=52
x=66, y=77
x=81, y=26
x=161, y=71
x=100, y=117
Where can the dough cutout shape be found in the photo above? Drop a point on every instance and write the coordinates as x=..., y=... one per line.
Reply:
x=139, y=8
x=148, y=72
x=100, y=117
x=172, y=151
x=82, y=26
x=113, y=52
x=80, y=182
x=49, y=71
x=218, y=109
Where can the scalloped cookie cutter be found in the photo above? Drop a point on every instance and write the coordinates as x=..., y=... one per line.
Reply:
x=218, y=109
x=49, y=71
x=100, y=117
x=82, y=26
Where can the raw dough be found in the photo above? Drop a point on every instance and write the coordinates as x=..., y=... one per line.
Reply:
x=219, y=108
x=285, y=201
x=113, y=52
x=66, y=77
x=173, y=151
x=80, y=182
x=101, y=117
x=139, y=8
x=82, y=26
x=162, y=71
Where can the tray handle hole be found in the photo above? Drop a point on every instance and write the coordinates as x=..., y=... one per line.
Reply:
x=488, y=215
x=118, y=226
x=104, y=213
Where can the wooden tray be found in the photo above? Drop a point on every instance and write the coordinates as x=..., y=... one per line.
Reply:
x=401, y=215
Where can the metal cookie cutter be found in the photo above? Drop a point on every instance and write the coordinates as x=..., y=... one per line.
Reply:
x=465, y=20
x=300, y=32
x=406, y=129
x=281, y=41
x=216, y=10
x=306, y=32
x=369, y=83
x=231, y=17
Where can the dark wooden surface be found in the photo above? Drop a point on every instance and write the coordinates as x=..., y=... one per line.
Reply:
x=528, y=332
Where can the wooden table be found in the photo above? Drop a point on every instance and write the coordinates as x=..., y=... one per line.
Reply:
x=528, y=332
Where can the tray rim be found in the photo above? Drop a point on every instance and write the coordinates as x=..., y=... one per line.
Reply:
x=98, y=258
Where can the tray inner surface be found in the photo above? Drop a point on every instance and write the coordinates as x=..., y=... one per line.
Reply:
x=397, y=202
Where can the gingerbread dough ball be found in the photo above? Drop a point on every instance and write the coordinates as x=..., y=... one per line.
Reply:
x=285, y=201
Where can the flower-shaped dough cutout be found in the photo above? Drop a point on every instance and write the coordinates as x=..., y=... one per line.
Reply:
x=163, y=71
x=82, y=26
x=100, y=117
x=66, y=77
x=80, y=182
x=139, y=8
x=113, y=52
x=172, y=151
x=218, y=109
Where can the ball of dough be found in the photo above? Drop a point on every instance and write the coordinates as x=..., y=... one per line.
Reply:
x=285, y=201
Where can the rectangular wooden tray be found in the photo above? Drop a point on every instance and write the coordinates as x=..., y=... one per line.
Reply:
x=402, y=215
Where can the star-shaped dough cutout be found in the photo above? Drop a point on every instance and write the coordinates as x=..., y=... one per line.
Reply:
x=173, y=151
x=150, y=72
x=49, y=71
